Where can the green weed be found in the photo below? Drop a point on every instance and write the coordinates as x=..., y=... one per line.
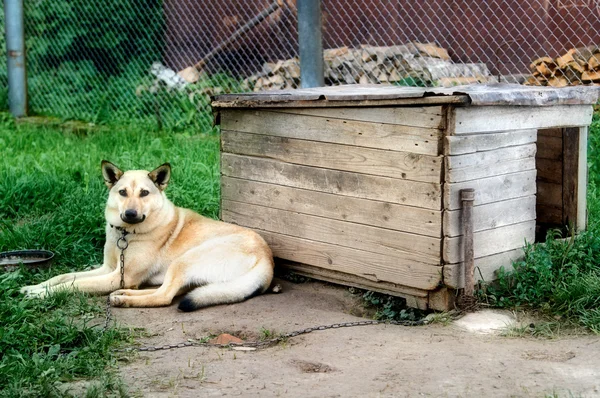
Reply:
x=52, y=197
x=388, y=308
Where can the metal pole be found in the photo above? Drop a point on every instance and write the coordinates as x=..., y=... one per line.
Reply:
x=15, y=50
x=311, y=43
x=467, y=196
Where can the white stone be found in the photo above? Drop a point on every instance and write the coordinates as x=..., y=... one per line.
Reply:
x=485, y=321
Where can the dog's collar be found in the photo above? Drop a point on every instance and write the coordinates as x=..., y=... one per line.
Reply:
x=121, y=229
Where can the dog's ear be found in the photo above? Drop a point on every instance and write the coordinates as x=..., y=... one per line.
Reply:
x=111, y=173
x=161, y=176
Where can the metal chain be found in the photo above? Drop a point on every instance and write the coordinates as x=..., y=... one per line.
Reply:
x=122, y=244
x=269, y=342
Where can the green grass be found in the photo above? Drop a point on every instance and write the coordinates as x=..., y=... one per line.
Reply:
x=52, y=197
x=560, y=278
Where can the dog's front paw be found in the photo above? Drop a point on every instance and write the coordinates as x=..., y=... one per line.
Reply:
x=117, y=301
x=30, y=288
x=37, y=293
x=120, y=292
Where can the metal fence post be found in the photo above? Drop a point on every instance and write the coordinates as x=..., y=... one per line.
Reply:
x=310, y=43
x=15, y=50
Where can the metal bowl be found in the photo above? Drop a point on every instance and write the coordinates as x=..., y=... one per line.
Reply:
x=30, y=258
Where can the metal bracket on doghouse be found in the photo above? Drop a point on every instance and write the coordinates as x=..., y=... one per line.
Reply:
x=467, y=196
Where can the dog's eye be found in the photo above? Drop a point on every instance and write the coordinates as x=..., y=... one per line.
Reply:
x=143, y=193
x=123, y=192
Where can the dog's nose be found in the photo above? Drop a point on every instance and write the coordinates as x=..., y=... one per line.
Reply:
x=131, y=214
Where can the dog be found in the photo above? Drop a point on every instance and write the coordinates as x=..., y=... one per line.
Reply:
x=167, y=246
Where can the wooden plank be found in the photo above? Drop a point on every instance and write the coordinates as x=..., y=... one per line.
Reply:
x=492, y=215
x=443, y=299
x=403, y=165
x=458, y=145
x=361, y=211
x=486, y=158
x=550, y=194
x=417, y=116
x=550, y=148
x=375, y=267
x=409, y=193
x=419, y=140
x=402, y=246
x=484, y=119
x=490, y=163
x=282, y=103
x=549, y=215
x=575, y=178
x=570, y=172
x=414, y=298
x=582, y=180
x=485, y=268
x=549, y=171
x=474, y=173
x=554, y=132
x=492, y=189
x=491, y=241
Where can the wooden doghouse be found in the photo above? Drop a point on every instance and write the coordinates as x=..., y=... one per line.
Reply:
x=360, y=185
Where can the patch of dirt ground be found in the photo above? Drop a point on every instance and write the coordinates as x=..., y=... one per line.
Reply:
x=368, y=361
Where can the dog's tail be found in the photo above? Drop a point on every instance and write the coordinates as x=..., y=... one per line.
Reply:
x=256, y=281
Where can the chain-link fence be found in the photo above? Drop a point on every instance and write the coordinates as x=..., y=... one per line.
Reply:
x=117, y=61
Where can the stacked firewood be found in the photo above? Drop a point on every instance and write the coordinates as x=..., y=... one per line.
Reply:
x=410, y=64
x=577, y=66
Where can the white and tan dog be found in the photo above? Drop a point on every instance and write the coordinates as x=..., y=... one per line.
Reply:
x=170, y=247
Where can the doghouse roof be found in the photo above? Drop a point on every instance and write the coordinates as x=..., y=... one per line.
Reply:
x=476, y=94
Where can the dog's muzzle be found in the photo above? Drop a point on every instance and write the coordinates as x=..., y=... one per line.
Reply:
x=132, y=217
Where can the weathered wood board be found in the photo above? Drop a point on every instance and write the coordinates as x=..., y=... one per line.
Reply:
x=414, y=297
x=416, y=116
x=491, y=163
x=410, y=193
x=491, y=241
x=552, y=132
x=549, y=171
x=402, y=165
x=484, y=119
x=492, y=157
x=458, y=145
x=550, y=147
x=582, y=180
x=492, y=215
x=374, y=267
x=361, y=211
x=400, y=245
x=546, y=214
x=476, y=173
x=485, y=268
x=549, y=194
x=420, y=140
x=550, y=165
x=492, y=189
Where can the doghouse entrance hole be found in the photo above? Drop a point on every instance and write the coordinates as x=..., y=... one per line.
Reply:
x=557, y=162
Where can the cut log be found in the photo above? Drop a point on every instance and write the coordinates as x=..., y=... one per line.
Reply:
x=432, y=50
x=593, y=76
x=594, y=61
x=542, y=60
x=558, y=81
x=567, y=58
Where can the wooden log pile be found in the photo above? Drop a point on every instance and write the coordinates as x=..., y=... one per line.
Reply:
x=578, y=66
x=410, y=64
